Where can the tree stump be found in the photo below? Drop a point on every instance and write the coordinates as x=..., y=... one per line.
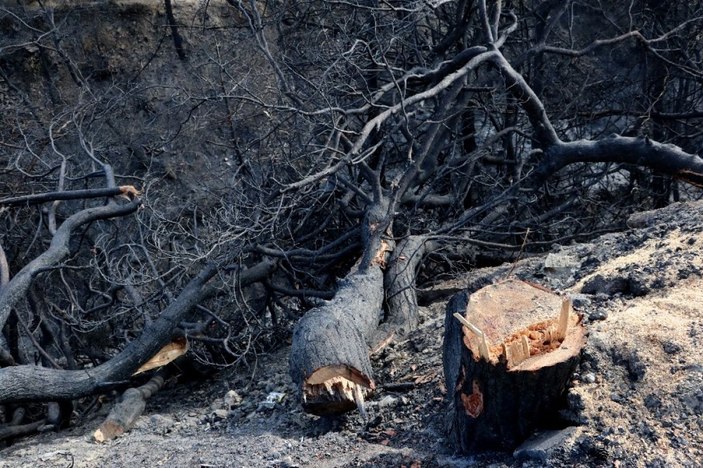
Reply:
x=510, y=349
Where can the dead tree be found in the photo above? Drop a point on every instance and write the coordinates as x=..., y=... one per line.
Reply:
x=351, y=142
x=446, y=86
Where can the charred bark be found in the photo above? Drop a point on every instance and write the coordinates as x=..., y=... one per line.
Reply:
x=329, y=358
x=400, y=279
x=663, y=158
x=12, y=431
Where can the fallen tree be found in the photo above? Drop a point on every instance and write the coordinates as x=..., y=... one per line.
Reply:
x=446, y=86
x=373, y=148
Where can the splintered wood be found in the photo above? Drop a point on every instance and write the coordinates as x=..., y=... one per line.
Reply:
x=333, y=387
x=510, y=322
x=169, y=353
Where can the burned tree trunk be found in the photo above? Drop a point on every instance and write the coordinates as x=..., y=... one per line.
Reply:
x=400, y=282
x=329, y=358
x=507, y=367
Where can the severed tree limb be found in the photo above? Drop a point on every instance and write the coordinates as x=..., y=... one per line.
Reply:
x=38, y=198
x=34, y=383
x=329, y=357
x=11, y=431
x=15, y=428
x=126, y=411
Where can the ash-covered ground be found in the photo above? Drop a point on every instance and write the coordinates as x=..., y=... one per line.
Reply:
x=636, y=399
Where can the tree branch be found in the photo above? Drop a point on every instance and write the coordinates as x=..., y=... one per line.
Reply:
x=57, y=251
x=660, y=157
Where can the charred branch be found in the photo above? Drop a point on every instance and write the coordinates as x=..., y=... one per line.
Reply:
x=36, y=199
x=660, y=157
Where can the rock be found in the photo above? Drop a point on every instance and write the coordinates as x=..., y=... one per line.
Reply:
x=387, y=401
x=600, y=314
x=692, y=399
x=653, y=402
x=608, y=286
x=272, y=399
x=540, y=446
x=232, y=399
x=220, y=414
x=560, y=265
x=580, y=301
x=637, y=285
x=670, y=347
x=589, y=378
x=561, y=261
x=631, y=360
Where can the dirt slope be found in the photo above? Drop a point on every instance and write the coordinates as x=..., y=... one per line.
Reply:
x=637, y=399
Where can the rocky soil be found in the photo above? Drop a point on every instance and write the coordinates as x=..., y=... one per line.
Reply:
x=636, y=400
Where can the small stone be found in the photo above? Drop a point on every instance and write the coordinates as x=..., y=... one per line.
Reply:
x=599, y=314
x=581, y=301
x=272, y=399
x=608, y=286
x=232, y=399
x=387, y=401
x=637, y=285
x=670, y=347
x=541, y=445
x=652, y=402
x=589, y=378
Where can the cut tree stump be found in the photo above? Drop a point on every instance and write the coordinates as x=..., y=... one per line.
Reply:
x=510, y=349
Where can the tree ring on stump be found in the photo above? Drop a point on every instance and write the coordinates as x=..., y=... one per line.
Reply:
x=524, y=325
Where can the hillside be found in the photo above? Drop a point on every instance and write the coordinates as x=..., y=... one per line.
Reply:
x=637, y=398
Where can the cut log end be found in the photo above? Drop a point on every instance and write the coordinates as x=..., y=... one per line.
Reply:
x=107, y=431
x=335, y=390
